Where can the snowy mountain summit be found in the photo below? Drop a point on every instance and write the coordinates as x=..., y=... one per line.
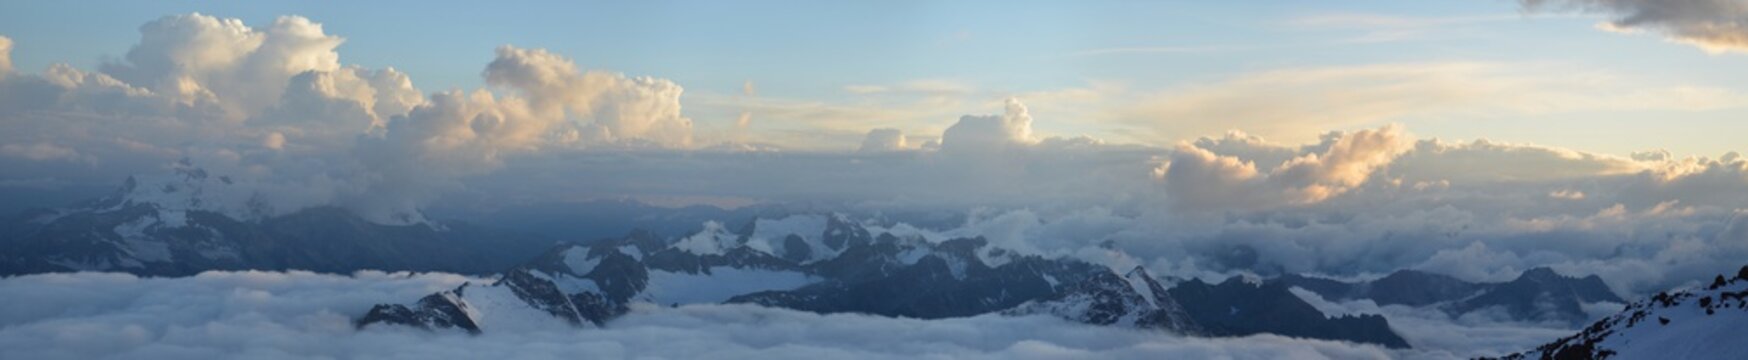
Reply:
x=1707, y=322
x=187, y=188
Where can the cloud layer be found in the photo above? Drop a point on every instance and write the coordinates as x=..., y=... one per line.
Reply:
x=303, y=315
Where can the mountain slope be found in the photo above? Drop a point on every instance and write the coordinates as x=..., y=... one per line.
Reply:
x=1236, y=307
x=1708, y=322
x=1135, y=299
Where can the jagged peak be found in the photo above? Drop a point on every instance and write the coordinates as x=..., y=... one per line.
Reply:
x=1140, y=271
x=1412, y=274
x=1540, y=272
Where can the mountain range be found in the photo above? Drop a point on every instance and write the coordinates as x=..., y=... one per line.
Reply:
x=828, y=264
x=1537, y=295
x=191, y=221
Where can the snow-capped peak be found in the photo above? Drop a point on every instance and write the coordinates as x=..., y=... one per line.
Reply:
x=188, y=188
x=1143, y=283
x=714, y=239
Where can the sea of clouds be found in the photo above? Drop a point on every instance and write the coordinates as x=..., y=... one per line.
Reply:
x=300, y=315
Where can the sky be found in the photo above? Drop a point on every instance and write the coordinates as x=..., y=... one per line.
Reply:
x=1472, y=138
x=816, y=76
x=1350, y=139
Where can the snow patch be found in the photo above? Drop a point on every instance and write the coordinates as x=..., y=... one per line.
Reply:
x=140, y=246
x=913, y=254
x=907, y=231
x=1137, y=281
x=497, y=309
x=569, y=284
x=773, y=233
x=1691, y=332
x=714, y=239
x=577, y=259
x=955, y=265
x=632, y=251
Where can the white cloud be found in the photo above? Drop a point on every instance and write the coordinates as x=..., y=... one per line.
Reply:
x=273, y=108
x=1567, y=194
x=1293, y=104
x=865, y=89
x=614, y=107
x=1197, y=179
x=304, y=315
x=1387, y=28
x=5, y=56
x=1489, y=161
x=926, y=87
x=196, y=59
x=42, y=151
x=982, y=134
x=885, y=139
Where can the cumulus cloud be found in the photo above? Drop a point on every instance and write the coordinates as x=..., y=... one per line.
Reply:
x=1712, y=25
x=304, y=315
x=274, y=108
x=884, y=139
x=973, y=134
x=1198, y=179
x=612, y=106
x=200, y=59
x=5, y=56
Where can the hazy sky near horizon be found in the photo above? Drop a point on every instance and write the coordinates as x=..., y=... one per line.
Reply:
x=808, y=75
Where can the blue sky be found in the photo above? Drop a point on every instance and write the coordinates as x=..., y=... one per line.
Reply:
x=809, y=53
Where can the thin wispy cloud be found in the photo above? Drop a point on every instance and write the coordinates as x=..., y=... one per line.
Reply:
x=1146, y=50
x=1384, y=28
